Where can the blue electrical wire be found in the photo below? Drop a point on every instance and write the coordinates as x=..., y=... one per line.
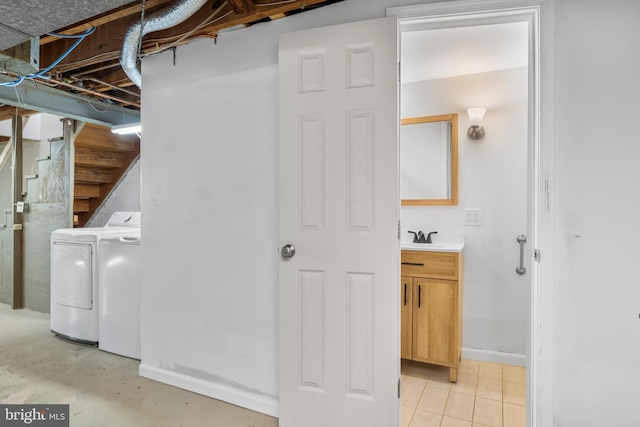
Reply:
x=41, y=73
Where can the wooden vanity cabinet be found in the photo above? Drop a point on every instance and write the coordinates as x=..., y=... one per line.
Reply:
x=431, y=308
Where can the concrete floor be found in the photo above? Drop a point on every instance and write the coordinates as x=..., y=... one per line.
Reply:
x=102, y=389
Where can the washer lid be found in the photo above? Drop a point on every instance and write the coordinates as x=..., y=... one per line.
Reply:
x=124, y=219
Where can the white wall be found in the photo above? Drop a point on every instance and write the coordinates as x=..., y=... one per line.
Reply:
x=597, y=298
x=209, y=238
x=209, y=201
x=125, y=197
x=493, y=177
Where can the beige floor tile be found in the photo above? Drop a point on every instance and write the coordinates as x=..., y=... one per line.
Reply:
x=514, y=374
x=489, y=388
x=416, y=380
x=486, y=395
x=488, y=412
x=491, y=370
x=425, y=419
x=441, y=384
x=433, y=400
x=514, y=415
x=514, y=393
x=424, y=370
x=469, y=367
x=411, y=392
x=454, y=422
x=406, y=413
x=466, y=384
x=460, y=406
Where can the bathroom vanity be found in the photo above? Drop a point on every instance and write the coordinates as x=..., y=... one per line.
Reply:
x=431, y=304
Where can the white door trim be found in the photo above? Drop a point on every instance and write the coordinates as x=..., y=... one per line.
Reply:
x=539, y=14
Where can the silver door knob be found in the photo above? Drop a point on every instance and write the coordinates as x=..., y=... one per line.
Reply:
x=288, y=251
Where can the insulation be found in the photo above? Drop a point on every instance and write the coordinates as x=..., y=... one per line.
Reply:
x=21, y=20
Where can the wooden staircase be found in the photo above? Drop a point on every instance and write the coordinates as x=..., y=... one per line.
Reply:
x=101, y=159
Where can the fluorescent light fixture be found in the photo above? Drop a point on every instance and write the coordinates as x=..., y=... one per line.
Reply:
x=127, y=128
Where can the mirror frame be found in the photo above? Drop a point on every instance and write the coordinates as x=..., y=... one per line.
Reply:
x=453, y=200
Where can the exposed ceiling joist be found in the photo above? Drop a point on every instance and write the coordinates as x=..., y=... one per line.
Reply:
x=242, y=6
x=93, y=68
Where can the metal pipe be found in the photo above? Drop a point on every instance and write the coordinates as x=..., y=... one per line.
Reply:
x=162, y=20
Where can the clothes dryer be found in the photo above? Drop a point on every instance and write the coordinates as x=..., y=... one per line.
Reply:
x=74, y=275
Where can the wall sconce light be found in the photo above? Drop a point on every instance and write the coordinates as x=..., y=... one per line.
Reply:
x=476, y=130
x=126, y=128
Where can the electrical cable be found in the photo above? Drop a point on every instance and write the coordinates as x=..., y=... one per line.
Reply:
x=41, y=73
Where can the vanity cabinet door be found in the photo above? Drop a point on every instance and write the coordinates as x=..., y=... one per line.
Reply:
x=406, y=317
x=435, y=321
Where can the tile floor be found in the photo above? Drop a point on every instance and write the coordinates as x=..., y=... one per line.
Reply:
x=486, y=395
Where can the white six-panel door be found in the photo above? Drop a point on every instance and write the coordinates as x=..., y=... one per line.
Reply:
x=339, y=207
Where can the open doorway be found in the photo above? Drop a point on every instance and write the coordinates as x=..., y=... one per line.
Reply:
x=446, y=68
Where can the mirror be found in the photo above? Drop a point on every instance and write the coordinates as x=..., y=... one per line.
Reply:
x=429, y=160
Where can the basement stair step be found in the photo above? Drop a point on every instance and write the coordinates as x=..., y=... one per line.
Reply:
x=80, y=206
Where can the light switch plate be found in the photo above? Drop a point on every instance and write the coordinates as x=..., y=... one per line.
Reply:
x=472, y=216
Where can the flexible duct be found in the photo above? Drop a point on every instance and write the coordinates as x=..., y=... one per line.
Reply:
x=162, y=20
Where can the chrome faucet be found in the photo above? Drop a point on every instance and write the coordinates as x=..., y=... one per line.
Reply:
x=418, y=237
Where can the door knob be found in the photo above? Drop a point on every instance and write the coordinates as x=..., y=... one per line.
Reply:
x=288, y=251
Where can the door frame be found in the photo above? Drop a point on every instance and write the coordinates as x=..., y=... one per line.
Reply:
x=540, y=162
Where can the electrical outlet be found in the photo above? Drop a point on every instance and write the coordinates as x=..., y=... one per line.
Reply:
x=472, y=217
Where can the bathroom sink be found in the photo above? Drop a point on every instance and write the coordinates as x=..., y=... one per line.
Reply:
x=436, y=247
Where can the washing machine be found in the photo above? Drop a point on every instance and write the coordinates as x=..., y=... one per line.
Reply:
x=74, y=275
x=119, y=295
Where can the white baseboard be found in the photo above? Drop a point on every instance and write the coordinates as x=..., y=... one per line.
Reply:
x=494, y=356
x=225, y=392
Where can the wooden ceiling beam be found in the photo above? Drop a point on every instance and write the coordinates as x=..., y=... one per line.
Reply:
x=106, y=42
x=263, y=11
x=98, y=55
x=9, y=111
x=242, y=6
x=104, y=19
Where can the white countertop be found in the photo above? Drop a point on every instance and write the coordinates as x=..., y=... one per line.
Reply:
x=432, y=247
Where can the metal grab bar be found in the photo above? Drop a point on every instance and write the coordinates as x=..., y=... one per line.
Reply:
x=7, y=212
x=522, y=239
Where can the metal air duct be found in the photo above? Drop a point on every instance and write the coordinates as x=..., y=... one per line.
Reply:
x=162, y=20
